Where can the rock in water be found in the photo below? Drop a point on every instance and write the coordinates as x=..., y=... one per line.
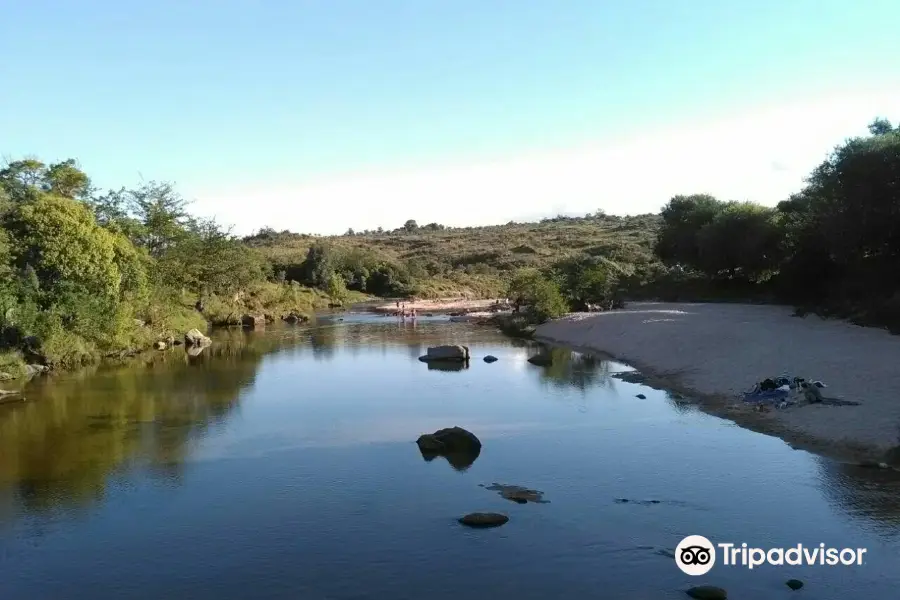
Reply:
x=452, y=439
x=484, y=519
x=195, y=338
x=707, y=592
x=253, y=321
x=446, y=353
x=32, y=370
x=460, y=447
x=541, y=360
x=160, y=345
x=641, y=396
x=794, y=584
x=489, y=358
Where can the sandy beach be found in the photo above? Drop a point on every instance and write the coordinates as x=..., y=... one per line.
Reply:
x=439, y=305
x=713, y=352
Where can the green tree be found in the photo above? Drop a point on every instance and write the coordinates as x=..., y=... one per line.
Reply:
x=880, y=126
x=162, y=213
x=319, y=265
x=209, y=260
x=66, y=179
x=587, y=280
x=743, y=240
x=845, y=222
x=336, y=288
x=683, y=218
x=540, y=295
x=62, y=241
x=410, y=226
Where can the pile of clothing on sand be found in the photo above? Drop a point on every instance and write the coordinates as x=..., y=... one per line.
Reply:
x=784, y=390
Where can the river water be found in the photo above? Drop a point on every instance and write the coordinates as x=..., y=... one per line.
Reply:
x=282, y=464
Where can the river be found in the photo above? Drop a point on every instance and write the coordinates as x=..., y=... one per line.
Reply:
x=282, y=464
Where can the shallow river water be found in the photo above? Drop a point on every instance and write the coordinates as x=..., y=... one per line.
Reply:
x=282, y=464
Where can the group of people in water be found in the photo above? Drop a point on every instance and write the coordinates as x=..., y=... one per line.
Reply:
x=403, y=312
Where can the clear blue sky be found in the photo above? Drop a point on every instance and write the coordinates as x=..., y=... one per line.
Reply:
x=219, y=94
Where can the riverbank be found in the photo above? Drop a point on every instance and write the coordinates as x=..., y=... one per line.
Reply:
x=713, y=352
x=443, y=305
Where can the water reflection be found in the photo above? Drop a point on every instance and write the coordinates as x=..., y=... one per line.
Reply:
x=60, y=448
x=448, y=365
x=315, y=467
x=460, y=461
x=574, y=369
x=869, y=494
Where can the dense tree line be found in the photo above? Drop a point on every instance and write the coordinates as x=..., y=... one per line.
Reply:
x=834, y=247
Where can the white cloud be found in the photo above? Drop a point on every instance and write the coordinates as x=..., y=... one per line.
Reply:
x=762, y=156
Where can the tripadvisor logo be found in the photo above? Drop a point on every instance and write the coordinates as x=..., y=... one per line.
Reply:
x=696, y=555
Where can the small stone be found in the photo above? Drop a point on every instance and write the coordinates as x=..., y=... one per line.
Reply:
x=489, y=358
x=794, y=584
x=707, y=592
x=484, y=519
x=160, y=345
x=641, y=396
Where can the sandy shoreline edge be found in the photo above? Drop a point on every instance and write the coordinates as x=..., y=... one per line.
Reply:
x=712, y=352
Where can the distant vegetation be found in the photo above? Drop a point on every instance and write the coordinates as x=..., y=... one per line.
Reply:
x=85, y=273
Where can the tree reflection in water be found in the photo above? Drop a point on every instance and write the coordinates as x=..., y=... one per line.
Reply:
x=60, y=449
x=574, y=369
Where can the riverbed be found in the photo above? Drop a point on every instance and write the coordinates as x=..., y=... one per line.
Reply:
x=282, y=464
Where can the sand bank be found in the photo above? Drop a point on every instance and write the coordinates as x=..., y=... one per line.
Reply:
x=439, y=305
x=713, y=352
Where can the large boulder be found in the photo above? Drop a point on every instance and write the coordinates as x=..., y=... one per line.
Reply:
x=446, y=353
x=459, y=446
x=253, y=321
x=195, y=338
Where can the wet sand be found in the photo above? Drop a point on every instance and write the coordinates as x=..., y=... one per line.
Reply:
x=713, y=352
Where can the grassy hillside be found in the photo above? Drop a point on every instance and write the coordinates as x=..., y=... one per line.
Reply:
x=475, y=261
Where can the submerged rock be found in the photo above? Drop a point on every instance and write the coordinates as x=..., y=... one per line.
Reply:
x=794, y=584
x=484, y=519
x=490, y=358
x=707, y=592
x=517, y=493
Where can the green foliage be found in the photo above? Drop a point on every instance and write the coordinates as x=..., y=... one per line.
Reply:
x=683, y=218
x=587, y=280
x=60, y=239
x=833, y=247
x=336, y=288
x=742, y=239
x=540, y=296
